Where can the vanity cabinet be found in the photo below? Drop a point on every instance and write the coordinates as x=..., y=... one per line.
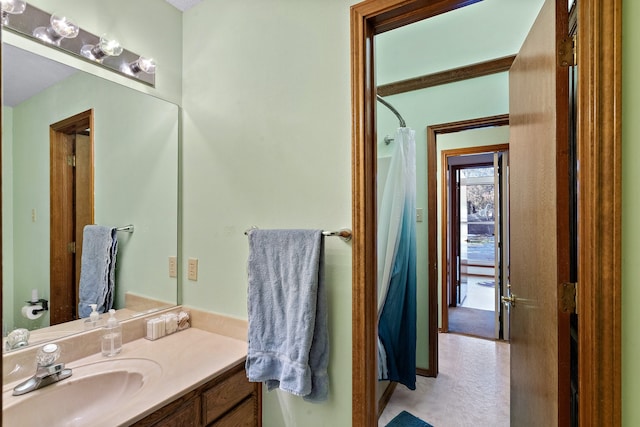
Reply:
x=226, y=401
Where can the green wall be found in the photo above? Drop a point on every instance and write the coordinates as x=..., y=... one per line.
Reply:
x=267, y=142
x=630, y=205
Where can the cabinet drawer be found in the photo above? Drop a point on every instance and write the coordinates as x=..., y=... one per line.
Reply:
x=244, y=415
x=224, y=396
x=184, y=412
x=187, y=415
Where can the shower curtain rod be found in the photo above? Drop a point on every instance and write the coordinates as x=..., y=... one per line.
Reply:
x=393, y=110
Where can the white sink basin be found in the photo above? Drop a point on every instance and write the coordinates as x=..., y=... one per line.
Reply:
x=92, y=392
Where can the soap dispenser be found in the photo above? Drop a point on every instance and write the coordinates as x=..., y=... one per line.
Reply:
x=112, y=336
x=94, y=317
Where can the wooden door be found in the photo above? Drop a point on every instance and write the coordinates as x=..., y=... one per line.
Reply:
x=72, y=207
x=538, y=109
x=61, y=258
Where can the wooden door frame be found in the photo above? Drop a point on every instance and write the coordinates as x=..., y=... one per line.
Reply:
x=432, y=218
x=599, y=54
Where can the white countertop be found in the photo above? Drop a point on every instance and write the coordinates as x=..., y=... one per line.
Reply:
x=187, y=359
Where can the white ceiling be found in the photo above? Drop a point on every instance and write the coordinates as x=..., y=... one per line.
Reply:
x=183, y=4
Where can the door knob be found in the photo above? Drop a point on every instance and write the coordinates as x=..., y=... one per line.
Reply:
x=509, y=301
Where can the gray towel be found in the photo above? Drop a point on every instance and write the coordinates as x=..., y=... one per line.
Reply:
x=288, y=336
x=98, y=268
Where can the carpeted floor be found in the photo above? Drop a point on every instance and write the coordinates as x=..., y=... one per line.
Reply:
x=471, y=321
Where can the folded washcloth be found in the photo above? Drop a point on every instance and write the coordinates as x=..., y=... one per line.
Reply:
x=97, y=269
x=288, y=336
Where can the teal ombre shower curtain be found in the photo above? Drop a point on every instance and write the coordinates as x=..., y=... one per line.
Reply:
x=397, y=265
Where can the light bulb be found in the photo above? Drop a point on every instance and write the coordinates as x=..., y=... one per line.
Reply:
x=64, y=26
x=110, y=46
x=14, y=7
x=61, y=27
x=147, y=65
x=107, y=46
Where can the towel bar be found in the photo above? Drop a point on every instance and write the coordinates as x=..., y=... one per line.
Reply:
x=127, y=228
x=345, y=233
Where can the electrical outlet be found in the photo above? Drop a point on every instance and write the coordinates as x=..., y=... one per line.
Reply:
x=173, y=266
x=192, y=269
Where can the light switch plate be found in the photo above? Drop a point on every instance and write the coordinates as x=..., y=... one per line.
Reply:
x=192, y=269
x=173, y=266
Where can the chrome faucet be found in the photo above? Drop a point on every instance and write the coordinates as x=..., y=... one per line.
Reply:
x=47, y=372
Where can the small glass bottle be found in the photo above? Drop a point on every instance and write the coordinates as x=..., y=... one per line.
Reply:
x=112, y=336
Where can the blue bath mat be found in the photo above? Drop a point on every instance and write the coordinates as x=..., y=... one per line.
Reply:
x=405, y=419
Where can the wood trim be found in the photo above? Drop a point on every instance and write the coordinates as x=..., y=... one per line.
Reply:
x=475, y=150
x=448, y=76
x=391, y=14
x=1, y=204
x=76, y=123
x=600, y=210
x=425, y=372
x=563, y=220
x=364, y=295
x=368, y=18
x=386, y=396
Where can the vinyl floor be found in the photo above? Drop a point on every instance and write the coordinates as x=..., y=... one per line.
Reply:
x=472, y=388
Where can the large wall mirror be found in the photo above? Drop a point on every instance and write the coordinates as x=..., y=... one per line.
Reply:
x=134, y=178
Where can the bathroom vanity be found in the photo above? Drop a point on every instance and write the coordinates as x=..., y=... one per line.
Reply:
x=228, y=400
x=190, y=378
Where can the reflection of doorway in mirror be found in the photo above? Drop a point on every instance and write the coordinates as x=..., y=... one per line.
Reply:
x=71, y=195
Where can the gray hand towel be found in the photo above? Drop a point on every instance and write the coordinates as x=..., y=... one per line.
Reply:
x=97, y=269
x=288, y=336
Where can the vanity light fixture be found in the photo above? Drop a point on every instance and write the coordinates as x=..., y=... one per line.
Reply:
x=142, y=64
x=61, y=27
x=12, y=7
x=63, y=34
x=107, y=46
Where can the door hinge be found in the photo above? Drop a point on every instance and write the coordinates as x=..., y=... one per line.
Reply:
x=71, y=161
x=568, y=297
x=567, y=52
x=71, y=247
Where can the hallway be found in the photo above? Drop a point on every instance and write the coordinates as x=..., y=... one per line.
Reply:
x=472, y=388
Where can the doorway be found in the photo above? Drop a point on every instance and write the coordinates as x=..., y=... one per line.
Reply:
x=475, y=243
x=599, y=42
x=72, y=207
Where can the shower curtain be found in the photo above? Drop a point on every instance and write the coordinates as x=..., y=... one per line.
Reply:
x=397, y=265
